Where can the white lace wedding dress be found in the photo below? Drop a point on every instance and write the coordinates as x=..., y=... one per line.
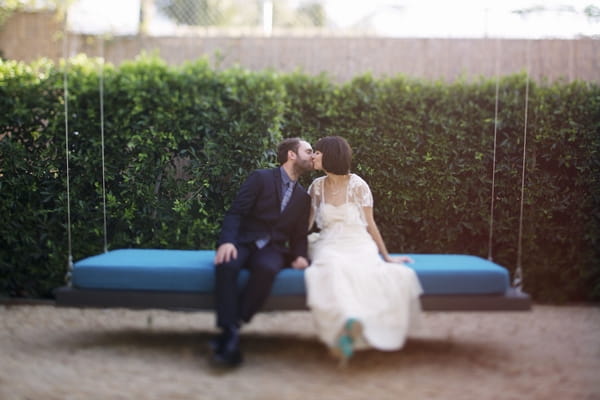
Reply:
x=348, y=278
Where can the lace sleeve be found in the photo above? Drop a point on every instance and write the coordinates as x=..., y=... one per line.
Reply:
x=360, y=193
x=315, y=191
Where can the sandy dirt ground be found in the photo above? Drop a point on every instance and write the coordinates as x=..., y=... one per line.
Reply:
x=52, y=353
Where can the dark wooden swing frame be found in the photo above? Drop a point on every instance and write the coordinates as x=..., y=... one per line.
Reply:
x=512, y=300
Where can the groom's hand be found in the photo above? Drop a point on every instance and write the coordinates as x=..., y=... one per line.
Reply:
x=225, y=253
x=300, y=263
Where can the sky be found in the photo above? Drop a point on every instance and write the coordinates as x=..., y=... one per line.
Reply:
x=467, y=18
x=392, y=18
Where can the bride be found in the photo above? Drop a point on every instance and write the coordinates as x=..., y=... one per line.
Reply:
x=360, y=297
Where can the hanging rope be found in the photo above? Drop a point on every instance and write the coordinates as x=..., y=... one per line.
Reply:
x=497, y=72
x=66, y=101
x=101, y=83
x=518, y=278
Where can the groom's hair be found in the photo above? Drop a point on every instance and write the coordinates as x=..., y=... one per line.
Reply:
x=337, y=154
x=288, y=144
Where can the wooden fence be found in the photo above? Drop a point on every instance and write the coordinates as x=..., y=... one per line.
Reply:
x=28, y=36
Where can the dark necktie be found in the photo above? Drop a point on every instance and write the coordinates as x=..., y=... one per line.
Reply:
x=260, y=243
x=287, y=195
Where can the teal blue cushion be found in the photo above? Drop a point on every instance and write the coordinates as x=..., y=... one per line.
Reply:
x=170, y=270
x=193, y=271
x=459, y=274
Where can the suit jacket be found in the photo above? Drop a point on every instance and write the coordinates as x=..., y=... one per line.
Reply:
x=255, y=213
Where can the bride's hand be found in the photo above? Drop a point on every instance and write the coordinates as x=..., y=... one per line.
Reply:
x=300, y=263
x=400, y=260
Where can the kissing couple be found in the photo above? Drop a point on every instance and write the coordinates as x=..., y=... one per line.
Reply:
x=360, y=296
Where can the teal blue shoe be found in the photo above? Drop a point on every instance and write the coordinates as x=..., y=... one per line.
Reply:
x=350, y=325
x=353, y=328
x=346, y=346
x=344, y=349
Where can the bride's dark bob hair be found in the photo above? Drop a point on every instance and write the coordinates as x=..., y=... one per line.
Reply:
x=337, y=154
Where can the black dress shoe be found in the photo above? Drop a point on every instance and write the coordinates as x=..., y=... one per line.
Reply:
x=216, y=342
x=226, y=349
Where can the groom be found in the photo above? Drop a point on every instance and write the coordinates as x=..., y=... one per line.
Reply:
x=264, y=231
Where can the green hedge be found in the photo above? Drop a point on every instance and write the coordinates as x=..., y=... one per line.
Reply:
x=180, y=140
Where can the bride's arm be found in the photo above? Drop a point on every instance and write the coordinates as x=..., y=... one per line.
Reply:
x=376, y=235
x=374, y=232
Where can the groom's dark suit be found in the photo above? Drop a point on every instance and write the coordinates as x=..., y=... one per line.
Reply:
x=255, y=214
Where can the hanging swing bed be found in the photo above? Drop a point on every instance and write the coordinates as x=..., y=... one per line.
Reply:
x=184, y=279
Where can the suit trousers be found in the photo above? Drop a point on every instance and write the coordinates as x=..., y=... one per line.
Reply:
x=236, y=304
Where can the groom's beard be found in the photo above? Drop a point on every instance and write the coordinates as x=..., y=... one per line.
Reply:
x=302, y=166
